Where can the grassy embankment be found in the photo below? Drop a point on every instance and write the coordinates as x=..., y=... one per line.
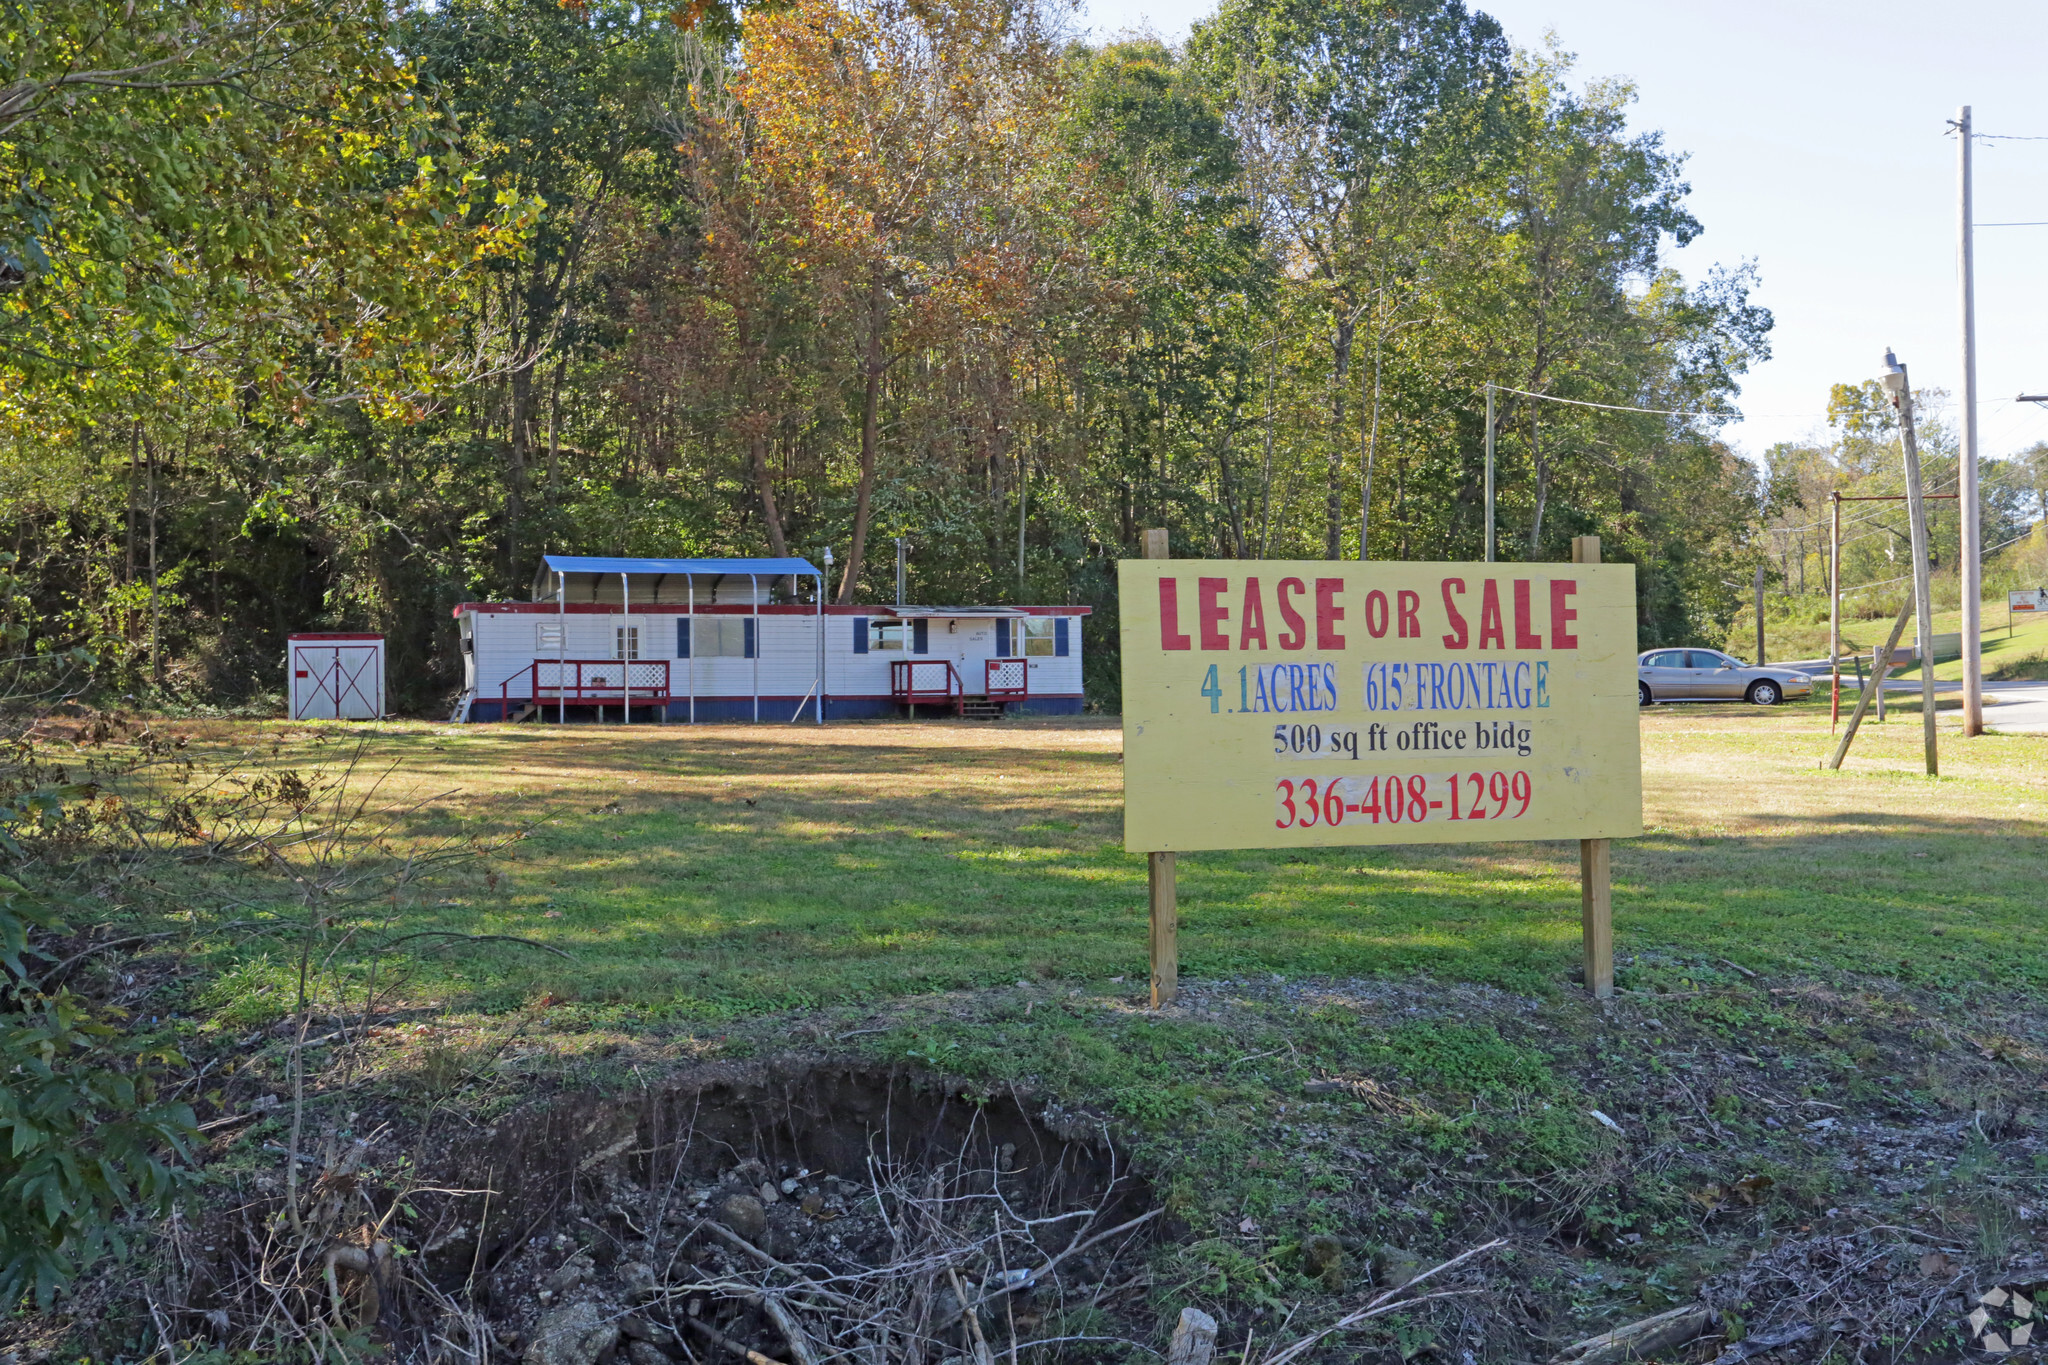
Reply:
x=2016, y=655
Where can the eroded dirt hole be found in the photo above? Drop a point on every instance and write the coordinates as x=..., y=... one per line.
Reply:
x=782, y=1214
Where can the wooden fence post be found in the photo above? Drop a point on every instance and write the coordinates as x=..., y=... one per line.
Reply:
x=1159, y=872
x=1596, y=887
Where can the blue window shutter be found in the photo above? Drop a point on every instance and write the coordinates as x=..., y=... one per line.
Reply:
x=750, y=643
x=1002, y=637
x=920, y=635
x=1059, y=636
x=860, y=634
x=682, y=637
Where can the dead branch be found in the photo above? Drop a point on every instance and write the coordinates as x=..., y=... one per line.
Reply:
x=1393, y=1300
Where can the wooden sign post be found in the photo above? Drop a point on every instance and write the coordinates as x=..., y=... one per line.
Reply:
x=1284, y=704
x=1596, y=889
x=1159, y=874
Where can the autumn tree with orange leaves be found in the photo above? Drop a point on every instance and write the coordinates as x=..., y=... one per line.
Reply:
x=907, y=154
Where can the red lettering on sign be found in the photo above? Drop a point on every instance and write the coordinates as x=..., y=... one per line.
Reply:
x=1253, y=615
x=1459, y=636
x=1562, y=615
x=1490, y=627
x=1376, y=614
x=1406, y=606
x=1212, y=613
x=1296, y=634
x=1525, y=638
x=1169, y=616
x=1328, y=613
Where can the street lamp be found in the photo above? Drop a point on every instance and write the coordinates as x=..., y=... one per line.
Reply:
x=1894, y=377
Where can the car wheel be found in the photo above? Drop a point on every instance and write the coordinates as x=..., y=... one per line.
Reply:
x=1764, y=693
x=1643, y=693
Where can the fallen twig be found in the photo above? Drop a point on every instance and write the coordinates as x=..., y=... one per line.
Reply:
x=720, y=1339
x=793, y=1333
x=1390, y=1301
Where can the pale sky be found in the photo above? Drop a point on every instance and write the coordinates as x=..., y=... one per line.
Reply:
x=1817, y=145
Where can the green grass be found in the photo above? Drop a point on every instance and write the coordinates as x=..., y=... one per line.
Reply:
x=724, y=872
x=1386, y=1045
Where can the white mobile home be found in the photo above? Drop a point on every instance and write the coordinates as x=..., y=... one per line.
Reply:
x=726, y=640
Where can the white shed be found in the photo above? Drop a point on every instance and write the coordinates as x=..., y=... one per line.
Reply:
x=334, y=675
x=726, y=639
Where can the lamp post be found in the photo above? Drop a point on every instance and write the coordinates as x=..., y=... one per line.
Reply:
x=821, y=633
x=1896, y=384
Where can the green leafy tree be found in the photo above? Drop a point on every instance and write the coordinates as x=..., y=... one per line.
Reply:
x=254, y=189
x=1356, y=115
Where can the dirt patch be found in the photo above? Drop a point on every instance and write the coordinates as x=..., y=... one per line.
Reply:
x=794, y=1210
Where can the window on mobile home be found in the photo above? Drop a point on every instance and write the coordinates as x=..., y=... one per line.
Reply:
x=628, y=643
x=887, y=636
x=715, y=637
x=1038, y=634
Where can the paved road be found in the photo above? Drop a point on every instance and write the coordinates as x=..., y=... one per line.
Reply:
x=2012, y=707
x=2022, y=707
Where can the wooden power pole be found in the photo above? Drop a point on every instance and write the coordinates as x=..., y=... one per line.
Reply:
x=1901, y=389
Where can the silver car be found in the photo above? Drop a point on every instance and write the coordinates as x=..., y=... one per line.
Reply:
x=1710, y=675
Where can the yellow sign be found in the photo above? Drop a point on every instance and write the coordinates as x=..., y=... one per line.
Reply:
x=1286, y=704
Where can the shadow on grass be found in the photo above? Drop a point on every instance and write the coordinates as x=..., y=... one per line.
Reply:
x=740, y=873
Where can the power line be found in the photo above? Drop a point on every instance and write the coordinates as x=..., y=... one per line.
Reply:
x=1941, y=487
x=1730, y=413
x=1886, y=583
x=1619, y=407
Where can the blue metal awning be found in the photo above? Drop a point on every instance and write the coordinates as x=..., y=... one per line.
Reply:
x=765, y=568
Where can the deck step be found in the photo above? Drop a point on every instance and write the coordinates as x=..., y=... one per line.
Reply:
x=975, y=709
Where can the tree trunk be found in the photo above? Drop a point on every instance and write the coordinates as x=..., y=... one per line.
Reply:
x=1233, y=499
x=156, y=658
x=515, y=483
x=764, y=484
x=1266, y=460
x=1542, y=486
x=871, y=400
x=134, y=469
x=1333, y=484
x=1369, y=437
x=555, y=432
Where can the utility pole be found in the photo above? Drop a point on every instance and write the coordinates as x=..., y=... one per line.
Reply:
x=1835, y=612
x=1901, y=390
x=1489, y=471
x=1759, y=616
x=1973, y=533
x=902, y=571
